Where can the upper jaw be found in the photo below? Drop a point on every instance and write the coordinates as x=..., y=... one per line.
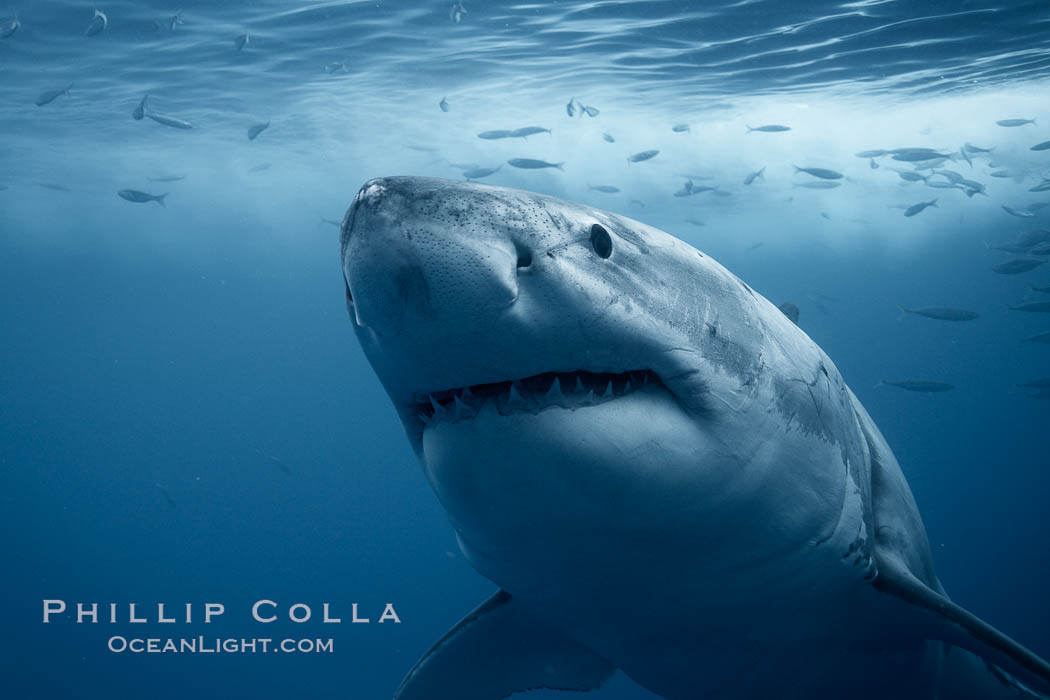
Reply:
x=532, y=394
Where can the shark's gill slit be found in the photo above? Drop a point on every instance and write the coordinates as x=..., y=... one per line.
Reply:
x=570, y=390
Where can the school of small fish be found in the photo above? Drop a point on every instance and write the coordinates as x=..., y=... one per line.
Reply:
x=946, y=167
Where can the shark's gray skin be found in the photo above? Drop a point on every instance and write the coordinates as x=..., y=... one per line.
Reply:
x=699, y=500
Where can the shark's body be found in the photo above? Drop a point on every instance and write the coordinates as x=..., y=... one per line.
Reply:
x=663, y=474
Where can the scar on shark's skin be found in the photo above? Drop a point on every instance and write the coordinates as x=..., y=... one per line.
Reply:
x=608, y=415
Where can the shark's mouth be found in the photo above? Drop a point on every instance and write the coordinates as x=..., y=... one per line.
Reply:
x=567, y=390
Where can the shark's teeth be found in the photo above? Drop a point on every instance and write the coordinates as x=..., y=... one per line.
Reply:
x=463, y=410
x=439, y=411
x=570, y=390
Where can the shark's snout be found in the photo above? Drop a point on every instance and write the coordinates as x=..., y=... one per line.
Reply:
x=412, y=257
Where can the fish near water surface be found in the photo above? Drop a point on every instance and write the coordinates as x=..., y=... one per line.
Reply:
x=140, y=197
x=942, y=313
x=613, y=421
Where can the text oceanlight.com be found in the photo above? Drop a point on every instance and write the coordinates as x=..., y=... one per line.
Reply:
x=216, y=645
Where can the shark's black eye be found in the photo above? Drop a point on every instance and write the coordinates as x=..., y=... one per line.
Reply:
x=600, y=241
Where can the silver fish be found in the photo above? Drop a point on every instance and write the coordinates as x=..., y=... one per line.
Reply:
x=240, y=42
x=1043, y=186
x=141, y=197
x=50, y=96
x=966, y=156
x=98, y=23
x=443, y=104
x=872, y=164
x=686, y=190
x=758, y=174
x=9, y=27
x=911, y=176
x=1038, y=338
x=941, y=313
x=916, y=208
x=497, y=134
x=533, y=164
x=1019, y=214
x=642, y=156
x=769, y=128
x=169, y=121
x=871, y=154
x=456, y=12
x=167, y=178
x=607, y=189
x=336, y=67
x=822, y=173
x=1015, y=122
x=950, y=175
x=1045, y=145
x=173, y=21
x=608, y=137
x=570, y=108
x=970, y=148
x=1037, y=383
x=590, y=111
x=256, y=129
x=527, y=131
x=922, y=385
x=478, y=173
x=680, y=128
x=139, y=112
x=259, y=168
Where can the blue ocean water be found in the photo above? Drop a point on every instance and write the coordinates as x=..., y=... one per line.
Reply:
x=186, y=417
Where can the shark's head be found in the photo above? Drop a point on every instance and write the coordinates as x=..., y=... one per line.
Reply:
x=564, y=372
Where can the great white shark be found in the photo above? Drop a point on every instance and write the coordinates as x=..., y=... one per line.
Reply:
x=662, y=473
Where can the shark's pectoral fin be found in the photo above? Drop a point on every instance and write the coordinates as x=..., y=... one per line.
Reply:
x=500, y=649
x=942, y=619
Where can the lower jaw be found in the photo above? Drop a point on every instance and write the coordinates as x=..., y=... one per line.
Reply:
x=519, y=487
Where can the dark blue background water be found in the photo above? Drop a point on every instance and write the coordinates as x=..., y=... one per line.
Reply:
x=186, y=417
